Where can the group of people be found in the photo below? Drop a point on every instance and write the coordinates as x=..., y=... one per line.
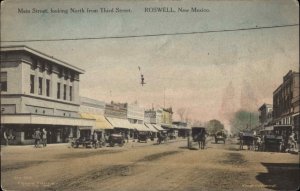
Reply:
x=40, y=135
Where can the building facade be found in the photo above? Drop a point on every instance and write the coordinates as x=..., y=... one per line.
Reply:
x=265, y=114
x=166, y=117
x=38, y=91
x=286, y=102
x=135, y=114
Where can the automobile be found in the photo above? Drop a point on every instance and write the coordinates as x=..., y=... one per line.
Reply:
x=143, y=137
x=116, y=139
x=83, y=141
x=220, y=136
x=272, y=143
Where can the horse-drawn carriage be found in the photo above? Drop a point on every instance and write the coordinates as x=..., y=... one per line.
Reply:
x=199, y=136
x=248, y=139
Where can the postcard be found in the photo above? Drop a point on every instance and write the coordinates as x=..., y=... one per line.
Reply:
x=154, y=95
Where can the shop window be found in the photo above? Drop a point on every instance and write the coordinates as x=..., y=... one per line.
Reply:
x=48, y=87
x=58, y=90
x=40, y=92
x=28, y=133
x=32, y=84
x=3, y=82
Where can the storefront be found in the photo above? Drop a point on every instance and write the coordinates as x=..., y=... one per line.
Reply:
x=21, y=127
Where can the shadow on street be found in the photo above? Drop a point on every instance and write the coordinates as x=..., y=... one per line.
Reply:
x=280, y=176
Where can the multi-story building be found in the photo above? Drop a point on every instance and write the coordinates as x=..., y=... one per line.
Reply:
x=94, y=109
x=286, y=101
x=39, y=91
x=116, y=114
x=166, y=117
x=135, y=114
x=154, y=117
x=265, y=114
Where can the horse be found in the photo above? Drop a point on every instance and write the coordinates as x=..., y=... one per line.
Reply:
x=201, y=138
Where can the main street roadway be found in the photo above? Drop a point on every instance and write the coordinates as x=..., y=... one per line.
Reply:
x=145, y=166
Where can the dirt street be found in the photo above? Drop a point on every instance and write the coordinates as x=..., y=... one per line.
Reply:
x=144, y=166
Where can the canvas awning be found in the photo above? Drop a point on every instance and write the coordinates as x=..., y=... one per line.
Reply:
x=46, y=120
x=120, y=123
x=101, y=122
x=141, y=127
x=151, y=127
x=158, y=127
x=269, y=128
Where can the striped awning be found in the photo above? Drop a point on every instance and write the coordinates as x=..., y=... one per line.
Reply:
x=158, y=127
x=151, y=127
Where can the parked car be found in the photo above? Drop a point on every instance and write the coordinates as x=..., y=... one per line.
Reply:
x=82, y=141
x=272, y=143
x=143, y=137
x=116, y=139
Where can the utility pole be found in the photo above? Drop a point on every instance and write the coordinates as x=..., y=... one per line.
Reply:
x=164, y=97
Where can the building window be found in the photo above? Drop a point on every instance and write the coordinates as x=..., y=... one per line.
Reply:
x=65, y=91
x=40, y=86
x=32, y=84
x=58, y=90
x=48, y=87
x=71, y=95
x=3, y=82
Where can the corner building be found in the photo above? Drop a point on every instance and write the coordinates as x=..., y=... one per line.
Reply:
x=39, y=91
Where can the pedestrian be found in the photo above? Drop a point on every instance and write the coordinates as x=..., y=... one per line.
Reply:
x=293, y=142
x=95, y=139
x=5, y=138
x=37, y=138
x=44, y=137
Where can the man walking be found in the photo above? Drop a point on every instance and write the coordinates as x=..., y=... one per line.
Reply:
x=37, y=138
x=5, y=138
x=44, y=137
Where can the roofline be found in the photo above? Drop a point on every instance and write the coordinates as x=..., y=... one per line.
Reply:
x=42, y=55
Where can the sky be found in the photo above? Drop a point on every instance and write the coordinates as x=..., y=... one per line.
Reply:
x=211, y=75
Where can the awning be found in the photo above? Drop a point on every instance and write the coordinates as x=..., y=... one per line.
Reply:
x=166, y=125
x=141, y=127
x=46, y=120
x=120, y=123
x=158, y=127
x=269, y=128
x=151, y=127
x=101, y=122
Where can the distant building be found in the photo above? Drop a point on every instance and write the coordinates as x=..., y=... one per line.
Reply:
x=39, y=91
x=153, y=116
x=135, y=114
x=265, y=114
x=94, y=109
x=286, y=101
x=166, y=118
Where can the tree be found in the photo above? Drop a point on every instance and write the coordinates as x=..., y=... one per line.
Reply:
x=243, y=121
x=214, y=126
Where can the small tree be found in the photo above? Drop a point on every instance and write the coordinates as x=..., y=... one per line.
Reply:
x=214, y=126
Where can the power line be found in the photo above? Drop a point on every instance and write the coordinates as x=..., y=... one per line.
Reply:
x=154, y=35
